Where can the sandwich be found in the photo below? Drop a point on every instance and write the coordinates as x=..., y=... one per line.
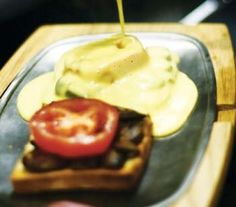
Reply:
x=83, y=144
x=141, y=89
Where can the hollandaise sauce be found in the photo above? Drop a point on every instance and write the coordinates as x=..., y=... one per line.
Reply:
x=121, y=15
x=121, y=72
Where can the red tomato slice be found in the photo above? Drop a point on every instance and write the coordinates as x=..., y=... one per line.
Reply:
x=75, y=127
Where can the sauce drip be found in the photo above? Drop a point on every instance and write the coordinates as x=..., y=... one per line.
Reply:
x=121, y=15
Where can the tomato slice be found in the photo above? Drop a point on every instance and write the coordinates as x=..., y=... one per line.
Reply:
x=75, y=127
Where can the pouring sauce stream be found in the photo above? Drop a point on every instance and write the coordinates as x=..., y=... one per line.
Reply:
x=121, y=15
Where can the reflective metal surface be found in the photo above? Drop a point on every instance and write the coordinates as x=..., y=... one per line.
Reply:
x=173, y=160
x=204, y=10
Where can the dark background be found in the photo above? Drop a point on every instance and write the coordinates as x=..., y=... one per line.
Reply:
x=19, y=18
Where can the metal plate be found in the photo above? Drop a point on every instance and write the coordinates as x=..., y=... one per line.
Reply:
x=173, y=160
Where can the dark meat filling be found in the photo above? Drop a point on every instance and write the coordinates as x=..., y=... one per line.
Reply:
x=125, y=146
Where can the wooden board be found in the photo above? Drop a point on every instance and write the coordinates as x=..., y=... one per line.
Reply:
x=205, y=187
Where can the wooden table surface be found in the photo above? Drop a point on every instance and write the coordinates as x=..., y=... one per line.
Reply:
x=209, y=178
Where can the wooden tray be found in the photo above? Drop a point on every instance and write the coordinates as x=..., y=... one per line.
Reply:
x=207, y=182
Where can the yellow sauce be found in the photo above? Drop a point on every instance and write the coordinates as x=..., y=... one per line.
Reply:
x=104, y=60
x=144, y=80
x=119, y=71
x=34, y=94
x=121, y=15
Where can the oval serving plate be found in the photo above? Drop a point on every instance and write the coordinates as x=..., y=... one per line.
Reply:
x=173, y=160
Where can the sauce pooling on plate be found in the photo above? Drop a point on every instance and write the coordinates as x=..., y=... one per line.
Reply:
x=119, y=71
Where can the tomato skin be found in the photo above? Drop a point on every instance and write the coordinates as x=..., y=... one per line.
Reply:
x=75, y=128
